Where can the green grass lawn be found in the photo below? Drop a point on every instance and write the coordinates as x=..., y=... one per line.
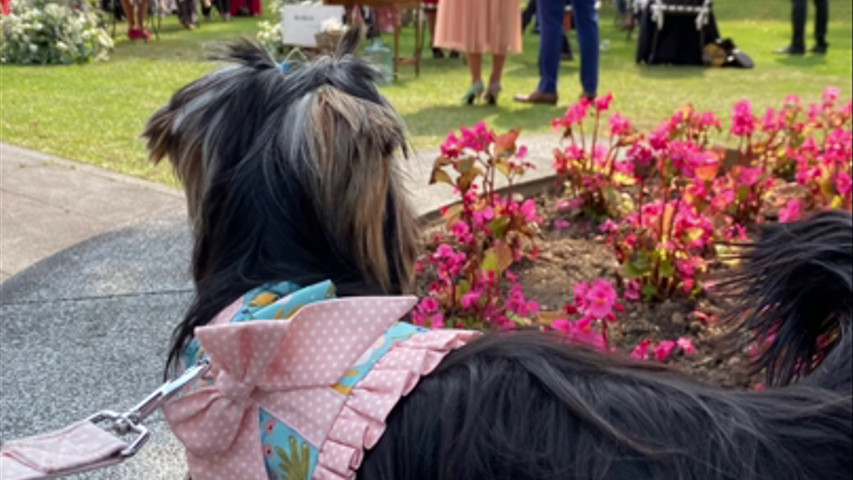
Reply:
x=94, y=113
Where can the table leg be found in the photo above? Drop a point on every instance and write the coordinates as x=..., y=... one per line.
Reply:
x=396, y=42
x=418, y=43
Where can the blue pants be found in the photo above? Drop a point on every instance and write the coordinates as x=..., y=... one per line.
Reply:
x=549, y=15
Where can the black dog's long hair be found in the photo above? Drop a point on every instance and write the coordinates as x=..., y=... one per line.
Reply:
x=288, y=177
x=524, y=406
x=291, y=177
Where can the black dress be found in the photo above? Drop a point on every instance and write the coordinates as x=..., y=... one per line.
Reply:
x=678, y=43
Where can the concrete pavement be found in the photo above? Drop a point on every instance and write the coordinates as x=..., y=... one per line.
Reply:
x=94, y=272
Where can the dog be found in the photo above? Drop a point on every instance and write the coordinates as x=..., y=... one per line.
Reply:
x=295, y=177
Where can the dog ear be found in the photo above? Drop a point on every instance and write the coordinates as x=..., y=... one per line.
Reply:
x=157, y=133
x=162, y=141
x=349, y=42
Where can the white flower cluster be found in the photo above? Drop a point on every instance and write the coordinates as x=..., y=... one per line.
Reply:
x=53, y=31
x=270, y=34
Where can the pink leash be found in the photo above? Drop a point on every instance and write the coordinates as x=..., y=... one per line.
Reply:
x=84, y=445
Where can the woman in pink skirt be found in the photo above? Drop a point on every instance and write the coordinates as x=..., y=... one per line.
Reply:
x=480, y=27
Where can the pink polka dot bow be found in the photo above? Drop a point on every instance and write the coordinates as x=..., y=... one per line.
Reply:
x=285, y=367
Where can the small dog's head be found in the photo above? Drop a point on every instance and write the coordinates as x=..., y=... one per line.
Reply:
x=288, y=177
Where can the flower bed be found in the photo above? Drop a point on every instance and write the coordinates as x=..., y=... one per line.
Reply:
x=619, y=255
x=51, y=32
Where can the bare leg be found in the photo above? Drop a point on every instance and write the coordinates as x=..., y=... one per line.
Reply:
x=495, y=80
x=498, y=62
x=130, y=14
x=141, y=13
x=475, y=65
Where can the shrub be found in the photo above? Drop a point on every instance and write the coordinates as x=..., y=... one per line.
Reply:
x=51, y=32
x=483, y=235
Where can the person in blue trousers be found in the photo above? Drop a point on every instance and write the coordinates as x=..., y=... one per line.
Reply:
x=549, y=15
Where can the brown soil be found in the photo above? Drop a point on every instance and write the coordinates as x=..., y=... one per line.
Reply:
x=578, y=253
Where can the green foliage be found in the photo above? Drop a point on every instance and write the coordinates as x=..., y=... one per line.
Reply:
x=51, y=32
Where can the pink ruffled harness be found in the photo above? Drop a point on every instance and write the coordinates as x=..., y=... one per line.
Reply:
x=305, y=396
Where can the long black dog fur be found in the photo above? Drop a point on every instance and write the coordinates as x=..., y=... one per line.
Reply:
x=518, y=405
x=524, y=406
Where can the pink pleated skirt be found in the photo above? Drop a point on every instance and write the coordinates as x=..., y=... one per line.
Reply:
x=479, y=26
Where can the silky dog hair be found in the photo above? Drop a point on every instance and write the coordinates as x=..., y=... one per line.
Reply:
x=287, y=177
x=292, y=177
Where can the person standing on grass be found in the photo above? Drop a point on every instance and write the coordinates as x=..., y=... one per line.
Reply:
x=135, y=12
x=480, y=27
x=188, y=13
x=798, y=24
x=549, y=16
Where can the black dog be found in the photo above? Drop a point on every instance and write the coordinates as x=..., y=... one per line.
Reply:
x=293, y=177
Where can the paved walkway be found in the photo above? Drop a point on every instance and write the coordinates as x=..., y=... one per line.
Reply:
x=94, y=271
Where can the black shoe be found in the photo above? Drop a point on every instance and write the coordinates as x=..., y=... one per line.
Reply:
x=437, y=53
x=791, y=50
x=820, y=49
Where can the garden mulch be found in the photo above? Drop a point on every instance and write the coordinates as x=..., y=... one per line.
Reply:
x=579, y=253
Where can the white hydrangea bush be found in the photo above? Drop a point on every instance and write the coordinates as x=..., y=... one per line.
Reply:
x=53, y=32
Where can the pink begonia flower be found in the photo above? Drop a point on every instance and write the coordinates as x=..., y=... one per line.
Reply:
x=814, y=113
x=750, y=176
x=602, y=104
x=563, y=205
x=685, y=267
x=743, y=121
x=772, y=121
x=451, y=147
x=686, y=345
x=809, y=146
x=428, y=306
x=664, y=349
x=585, y=333
x=574, y=115
x=460, y=229
x=791, y=211
x=844, y=184
x=562, y=325
x=580, y=291
x=609, y=226
x=561, y=224
x=632, y=290
x=600, y=298
x=659, y=140
x=709, y=119
x=532, y=307
x=619, y=125
x=831, y=94
x=471, y=299
x=793, y=101
x=528, y=209
x=641, y=351
x=521, y=152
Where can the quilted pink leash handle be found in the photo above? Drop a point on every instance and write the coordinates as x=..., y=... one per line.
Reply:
x=85, y=445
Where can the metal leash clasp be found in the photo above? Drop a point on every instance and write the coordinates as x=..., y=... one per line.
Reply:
x=131, y=420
